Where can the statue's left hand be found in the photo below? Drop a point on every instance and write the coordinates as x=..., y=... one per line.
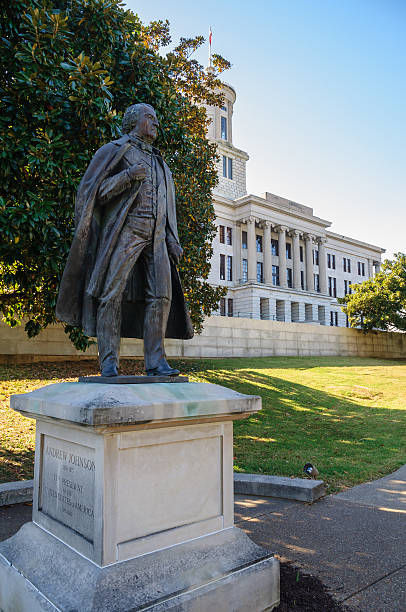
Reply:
x=175, y=252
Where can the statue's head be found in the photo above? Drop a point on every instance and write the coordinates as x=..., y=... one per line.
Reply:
x=141, y=120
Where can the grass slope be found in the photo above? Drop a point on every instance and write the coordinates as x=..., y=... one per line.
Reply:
x=345, y=415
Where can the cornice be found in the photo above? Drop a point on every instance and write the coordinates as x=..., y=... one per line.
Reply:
x=354, y=241
x=227, y=147
x=252, y=199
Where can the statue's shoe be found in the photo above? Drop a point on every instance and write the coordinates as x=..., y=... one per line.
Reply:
x=109, y=370
x=163, y=371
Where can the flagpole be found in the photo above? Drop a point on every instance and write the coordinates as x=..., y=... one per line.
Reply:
x=210, y=35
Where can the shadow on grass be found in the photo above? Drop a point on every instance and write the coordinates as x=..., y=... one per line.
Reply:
x=16, y=465
x=348, y=441
x=71, y=369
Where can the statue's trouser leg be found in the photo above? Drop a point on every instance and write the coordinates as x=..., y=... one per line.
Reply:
x=132, y=241
x=157, y=309
x=155, y=322
x=108, y=334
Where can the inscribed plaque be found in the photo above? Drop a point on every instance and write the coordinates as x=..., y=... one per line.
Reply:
x=67, y=484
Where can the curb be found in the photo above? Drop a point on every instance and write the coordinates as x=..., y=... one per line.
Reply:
x=16, y=492
x=298, y=489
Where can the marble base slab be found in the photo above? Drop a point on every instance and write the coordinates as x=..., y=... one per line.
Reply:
x=105, y=404
x=221, y=572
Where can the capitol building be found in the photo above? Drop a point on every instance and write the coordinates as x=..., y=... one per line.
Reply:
x=278, y=260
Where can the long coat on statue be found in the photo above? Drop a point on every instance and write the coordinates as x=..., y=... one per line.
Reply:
x=96, y=234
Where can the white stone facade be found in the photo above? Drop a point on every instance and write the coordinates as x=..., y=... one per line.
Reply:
x=254, y=231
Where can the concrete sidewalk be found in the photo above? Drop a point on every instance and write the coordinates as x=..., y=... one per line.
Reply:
x=355, y=542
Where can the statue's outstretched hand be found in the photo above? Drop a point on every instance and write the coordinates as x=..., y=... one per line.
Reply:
x=175, y=252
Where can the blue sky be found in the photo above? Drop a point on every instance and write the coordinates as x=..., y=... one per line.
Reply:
x=321, y=101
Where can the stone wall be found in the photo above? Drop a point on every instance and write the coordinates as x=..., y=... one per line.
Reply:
x=222, y=337
x=236, y=187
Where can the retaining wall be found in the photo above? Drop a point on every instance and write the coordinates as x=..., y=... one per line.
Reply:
x=222, y=337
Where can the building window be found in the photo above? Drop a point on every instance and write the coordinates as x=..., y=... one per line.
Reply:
x=332, y=286
x=259, y=243
x=361, y=268
x=222, y=267
x=229, y=236
x=289, y=277
x=333, y=319
x=244, y=240
x=224, y=108
x=346, y=264
x=245, y=270
x=224, y=128
x=223, y=307
x=227, y=167
x=288, y=250
x=264, y=308
x=301, y=253
x=260, y=272
x=275, y=275
x=275, y=247
x=347, y=287
x=316, y=282
x=315, y=257
x=222, y=233
x=230, y=307
x=229, y=268
x=331, y=261
x=302, y=279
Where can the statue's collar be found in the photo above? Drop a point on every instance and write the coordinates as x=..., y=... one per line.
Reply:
x=138, y=142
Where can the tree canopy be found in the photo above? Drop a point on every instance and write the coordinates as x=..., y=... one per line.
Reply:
x=380, y=302
x=68, y=70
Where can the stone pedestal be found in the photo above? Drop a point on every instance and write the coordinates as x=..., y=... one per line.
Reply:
x=133, y=504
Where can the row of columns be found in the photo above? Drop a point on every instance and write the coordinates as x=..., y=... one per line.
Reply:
x=295, y=234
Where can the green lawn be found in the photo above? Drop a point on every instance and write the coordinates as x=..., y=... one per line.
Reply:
x=345, y=415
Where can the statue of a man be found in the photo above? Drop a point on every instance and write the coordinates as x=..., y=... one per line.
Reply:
x=120, y=279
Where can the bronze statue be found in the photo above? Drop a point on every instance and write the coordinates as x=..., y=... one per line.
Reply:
x=120, y=279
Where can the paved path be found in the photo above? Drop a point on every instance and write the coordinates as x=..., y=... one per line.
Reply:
x=355, y=542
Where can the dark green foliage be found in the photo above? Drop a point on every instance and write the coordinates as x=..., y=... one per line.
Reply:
x=380, y=302
x=68, y=70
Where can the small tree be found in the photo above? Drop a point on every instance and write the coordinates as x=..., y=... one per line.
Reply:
x=380, y=302
x=68, y=70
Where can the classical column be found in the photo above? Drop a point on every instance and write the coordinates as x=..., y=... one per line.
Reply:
x=309, y=262
x=252, y=251
x=296, y=259
x=267, y=225
x=237, y=255
x=377, y=265
x=322, y=265
x=283, y=281
x=370, y=268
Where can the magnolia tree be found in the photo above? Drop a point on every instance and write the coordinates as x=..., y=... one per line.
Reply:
x=68, y=71
x=380, y=302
